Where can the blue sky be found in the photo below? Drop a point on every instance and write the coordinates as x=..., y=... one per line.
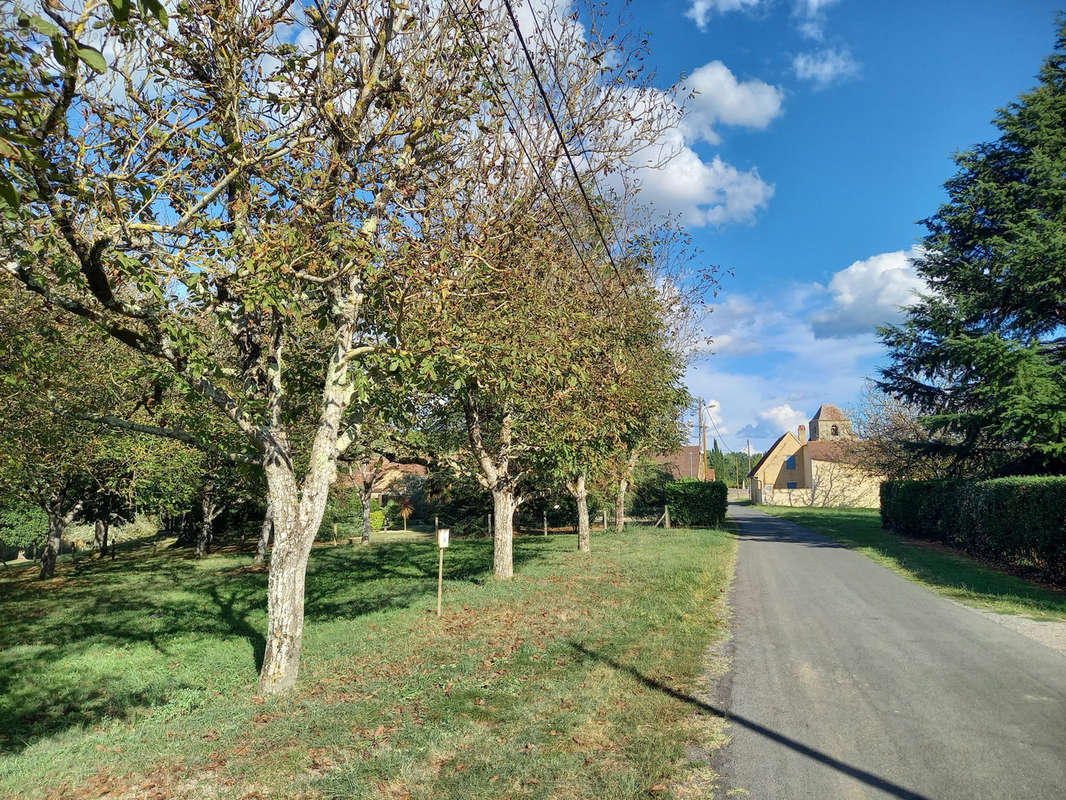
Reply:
x=822, y=132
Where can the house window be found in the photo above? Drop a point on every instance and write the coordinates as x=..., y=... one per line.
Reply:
x=791, y=485
x=834, y=430
x=790, y=463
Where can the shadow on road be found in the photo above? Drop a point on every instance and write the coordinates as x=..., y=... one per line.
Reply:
x=868, y=778
x=761, y=527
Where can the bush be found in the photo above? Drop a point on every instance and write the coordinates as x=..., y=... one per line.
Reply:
x=1011, y=521
x=22, y=527
x=694, y=502
x=648, y=495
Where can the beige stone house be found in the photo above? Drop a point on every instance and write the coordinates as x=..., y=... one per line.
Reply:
x=824, y=470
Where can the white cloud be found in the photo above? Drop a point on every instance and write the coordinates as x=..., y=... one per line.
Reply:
x=869, y=293
x=783, y=417
x=812, y=17
x=705, y=193
x=824, y=67
x=771, y=365
x=700, y=10
x=813, y=8
x=721, y=98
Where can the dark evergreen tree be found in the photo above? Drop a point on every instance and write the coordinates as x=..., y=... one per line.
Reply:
x=983, y=354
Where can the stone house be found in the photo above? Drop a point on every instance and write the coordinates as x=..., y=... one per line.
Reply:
x=823, y=470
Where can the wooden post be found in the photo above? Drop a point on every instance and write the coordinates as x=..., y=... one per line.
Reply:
x=488, y=529
x=605, y=519
x=666, y=517
x=440, y=578
x=545, y=522
x=334, y=533
x=443, y=539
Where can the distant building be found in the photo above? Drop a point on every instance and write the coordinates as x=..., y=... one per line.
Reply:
x=825, y=470
x=682, y=463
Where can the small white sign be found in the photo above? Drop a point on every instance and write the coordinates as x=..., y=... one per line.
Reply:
x=442, y=537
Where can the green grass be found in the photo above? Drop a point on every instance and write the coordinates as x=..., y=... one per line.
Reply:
x=945, y=571
x=135, y=677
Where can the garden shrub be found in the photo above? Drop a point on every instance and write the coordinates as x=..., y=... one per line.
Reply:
x=1019, y=521
x=695, y=502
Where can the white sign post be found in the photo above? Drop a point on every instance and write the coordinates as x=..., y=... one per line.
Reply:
x=442, y=542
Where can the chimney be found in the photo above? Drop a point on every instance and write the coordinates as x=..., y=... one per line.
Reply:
x=801, y=434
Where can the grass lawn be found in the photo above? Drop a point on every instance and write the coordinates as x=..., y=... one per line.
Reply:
x=134, y=678
x=945, y=571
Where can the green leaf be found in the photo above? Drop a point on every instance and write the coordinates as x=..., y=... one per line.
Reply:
x=120, y=10
x=8, y=193
x=92, y=57
x=41, y=25
x=59, y=48
x=155, y=9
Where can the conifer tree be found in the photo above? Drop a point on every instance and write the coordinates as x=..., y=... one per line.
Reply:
x=983, y=354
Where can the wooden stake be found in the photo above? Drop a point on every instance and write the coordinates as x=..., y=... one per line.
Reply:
x=666, y=517
x=545, y=523
x=440, y=578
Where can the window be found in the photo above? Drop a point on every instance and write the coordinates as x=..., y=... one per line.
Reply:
x=791, y=485
x=790, y=463
x=834, y=430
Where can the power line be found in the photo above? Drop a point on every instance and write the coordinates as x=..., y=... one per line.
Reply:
x=562, y=141
x=715, y=426
x=537, y=171
x=566, y=108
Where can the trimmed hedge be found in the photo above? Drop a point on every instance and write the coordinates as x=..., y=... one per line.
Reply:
x=694, y=502
x=1011, y=521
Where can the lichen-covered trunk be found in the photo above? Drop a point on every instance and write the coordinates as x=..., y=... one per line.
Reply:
x=581, y=496
x=365, y=497
x=264, y=536
x=620, y=506
x=503, y=507
x=57, y=523
x=296, y=516
x=100, y=531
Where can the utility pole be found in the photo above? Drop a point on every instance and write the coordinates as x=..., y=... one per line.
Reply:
x=749, y=456
x=701, y=466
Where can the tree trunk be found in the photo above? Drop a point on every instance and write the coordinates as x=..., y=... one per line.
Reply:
x=581, y=495
x=203, y=541
x=264, y=536
x=623, y=485
x=503, y=507
x=285, y=604
x=56, y=526
x=365, y=497
x=100, y=530
x=296, y=516
x=57, y=523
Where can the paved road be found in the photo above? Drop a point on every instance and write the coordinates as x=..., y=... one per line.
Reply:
x=849, y=681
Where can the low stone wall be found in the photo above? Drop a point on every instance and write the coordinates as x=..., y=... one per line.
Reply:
x=772, y=496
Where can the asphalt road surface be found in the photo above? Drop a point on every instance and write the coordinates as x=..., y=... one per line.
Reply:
x=849, y=681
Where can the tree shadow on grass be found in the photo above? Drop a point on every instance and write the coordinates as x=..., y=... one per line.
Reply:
x=868, y=778
x=156, y=625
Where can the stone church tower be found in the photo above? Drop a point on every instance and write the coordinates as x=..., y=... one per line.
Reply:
x=830, y=424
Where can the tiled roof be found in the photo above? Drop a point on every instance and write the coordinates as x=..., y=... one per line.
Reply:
x=840, y=451
x=682, y=463
x=829, y=413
